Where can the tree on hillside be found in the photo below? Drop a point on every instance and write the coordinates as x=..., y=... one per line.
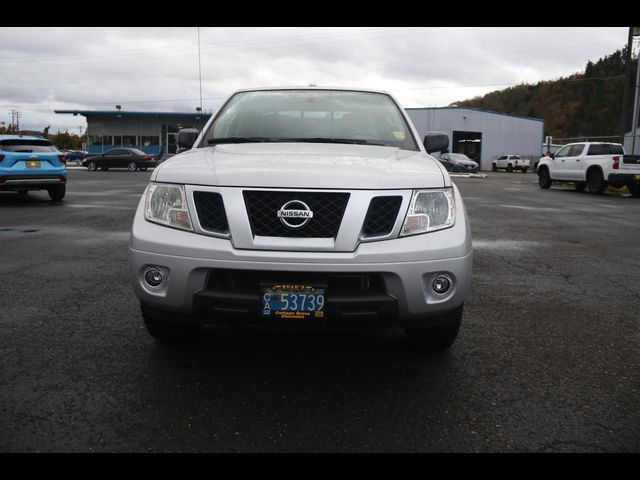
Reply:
x=66, y=141
x=582, y=104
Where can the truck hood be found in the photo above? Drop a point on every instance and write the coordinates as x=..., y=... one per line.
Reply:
x=465, y=162
x=304, y=165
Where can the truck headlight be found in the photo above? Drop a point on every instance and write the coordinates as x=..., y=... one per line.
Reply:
x=429, y=210
x=166, y=204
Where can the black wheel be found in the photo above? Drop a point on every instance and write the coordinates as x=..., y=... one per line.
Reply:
x=580, y=186
x=437, y=338
x=509, y=168
x=170, y=332
x=634, y=189
x=132, y=166
x=494, y=168
x=92, y=166
x=544, y=179
x=56, y=193
x=595, y=182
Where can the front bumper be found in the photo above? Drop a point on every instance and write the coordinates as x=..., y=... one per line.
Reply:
x=404, y=266
x=462, y=168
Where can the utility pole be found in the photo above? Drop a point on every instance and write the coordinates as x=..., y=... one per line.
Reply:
x=627, y=74
x=15, y=119
x=199, y=69
x=636, y=105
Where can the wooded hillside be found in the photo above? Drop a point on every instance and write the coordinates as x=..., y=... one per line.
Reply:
x=584, y=104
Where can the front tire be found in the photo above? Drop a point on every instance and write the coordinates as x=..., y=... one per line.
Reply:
x=595, y=182
x=494, y=168
x=57, y=192
x=544, y=179
x=634, y=189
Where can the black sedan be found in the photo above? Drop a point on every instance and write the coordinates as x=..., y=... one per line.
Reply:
x=130, y=158
x=458, y=162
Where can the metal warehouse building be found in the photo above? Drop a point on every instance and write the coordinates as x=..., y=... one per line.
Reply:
x=482, y=135
x=151, y=132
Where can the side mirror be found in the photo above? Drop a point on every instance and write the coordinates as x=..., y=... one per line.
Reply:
x=436, y=142
x=186, y=138
x=553, y=156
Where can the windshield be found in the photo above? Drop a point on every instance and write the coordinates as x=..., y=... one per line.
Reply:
x=323, y=116
x=460, y=156
x=27, y=146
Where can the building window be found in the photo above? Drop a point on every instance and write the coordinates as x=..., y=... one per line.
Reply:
x=107, y=140
x=130, y=140
x=95, y=140
x=147, y=141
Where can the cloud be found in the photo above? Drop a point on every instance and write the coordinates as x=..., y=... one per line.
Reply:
x=157, y=68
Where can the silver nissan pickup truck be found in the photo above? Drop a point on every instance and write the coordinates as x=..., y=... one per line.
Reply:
x=303, y=207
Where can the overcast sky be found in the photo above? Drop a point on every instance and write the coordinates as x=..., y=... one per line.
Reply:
x=147, y=68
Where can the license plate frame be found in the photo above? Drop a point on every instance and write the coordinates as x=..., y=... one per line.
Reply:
x=293, y=301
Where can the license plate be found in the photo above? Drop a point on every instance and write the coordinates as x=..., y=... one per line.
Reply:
x=293, y=301
x=33, y=163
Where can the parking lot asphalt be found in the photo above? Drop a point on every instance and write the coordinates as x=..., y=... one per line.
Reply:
x=546, y=360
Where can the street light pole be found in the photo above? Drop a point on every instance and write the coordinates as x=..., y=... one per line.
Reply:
x=627, y=74
x=636, y=105
x=199, y=68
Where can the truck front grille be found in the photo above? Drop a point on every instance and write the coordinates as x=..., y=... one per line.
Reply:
x=327, y=207
x=211, y=213
x=381, y=216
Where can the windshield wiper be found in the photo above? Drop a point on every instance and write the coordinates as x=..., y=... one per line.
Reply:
x=213, y=141
x=352, y=141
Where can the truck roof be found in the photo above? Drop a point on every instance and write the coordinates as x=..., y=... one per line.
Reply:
x=595, y=143
x=312, y=87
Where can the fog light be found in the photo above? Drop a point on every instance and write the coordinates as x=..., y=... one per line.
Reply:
x=153, y=277
x=441, y=284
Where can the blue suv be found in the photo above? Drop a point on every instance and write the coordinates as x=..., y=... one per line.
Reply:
x=32, y=163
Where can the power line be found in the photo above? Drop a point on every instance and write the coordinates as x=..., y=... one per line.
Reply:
x=407, y=88
x=290, y=41
x=516, y=84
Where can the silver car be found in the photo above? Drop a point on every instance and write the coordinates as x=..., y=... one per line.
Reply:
x=303, y=208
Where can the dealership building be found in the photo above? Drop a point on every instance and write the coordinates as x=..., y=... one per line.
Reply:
x=480, y=134
x=151, y=132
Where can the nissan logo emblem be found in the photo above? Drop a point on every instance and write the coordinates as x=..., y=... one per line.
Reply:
x=295, y=214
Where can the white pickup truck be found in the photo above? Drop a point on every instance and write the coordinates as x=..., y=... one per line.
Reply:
x=510, y=163
x=591, y=165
